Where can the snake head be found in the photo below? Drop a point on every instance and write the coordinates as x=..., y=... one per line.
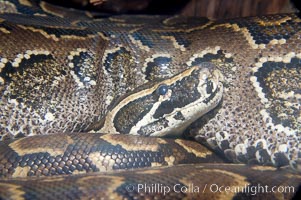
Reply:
x=168, y=106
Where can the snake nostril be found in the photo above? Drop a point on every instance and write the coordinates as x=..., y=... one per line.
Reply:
x=209, y=87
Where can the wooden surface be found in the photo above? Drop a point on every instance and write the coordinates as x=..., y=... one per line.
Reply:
x=217, y=9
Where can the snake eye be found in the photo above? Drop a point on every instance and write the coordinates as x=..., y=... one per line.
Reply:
x=162, y=89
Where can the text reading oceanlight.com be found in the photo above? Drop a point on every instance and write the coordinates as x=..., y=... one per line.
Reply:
x=213, y=188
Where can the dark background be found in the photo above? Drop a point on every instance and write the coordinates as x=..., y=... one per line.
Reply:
x=213, y=9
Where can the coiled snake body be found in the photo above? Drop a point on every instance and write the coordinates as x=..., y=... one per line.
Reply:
x=235, y=84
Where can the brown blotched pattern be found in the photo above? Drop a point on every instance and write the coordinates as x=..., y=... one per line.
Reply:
x=62, y=71
x=90, y=152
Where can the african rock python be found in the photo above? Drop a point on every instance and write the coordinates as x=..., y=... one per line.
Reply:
x=63, y=72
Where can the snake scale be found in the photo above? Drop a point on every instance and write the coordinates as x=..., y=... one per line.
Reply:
x=89, y=90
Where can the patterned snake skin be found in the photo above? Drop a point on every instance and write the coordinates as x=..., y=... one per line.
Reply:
x=67, y=77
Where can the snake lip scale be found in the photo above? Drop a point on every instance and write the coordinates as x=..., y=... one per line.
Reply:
x=80, y=97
